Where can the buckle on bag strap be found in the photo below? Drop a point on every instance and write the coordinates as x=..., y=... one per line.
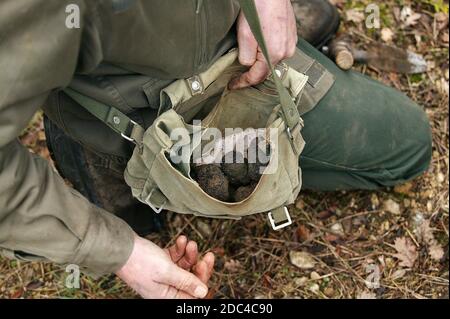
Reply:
x=111, y=116
x=135, y=133
x=279, y=218
x=158, y=197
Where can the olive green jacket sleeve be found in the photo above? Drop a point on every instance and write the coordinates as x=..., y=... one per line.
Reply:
x=39, y=215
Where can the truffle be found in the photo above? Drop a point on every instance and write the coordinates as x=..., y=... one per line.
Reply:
x=244, y=192
x=213, y=181
x=237, y=171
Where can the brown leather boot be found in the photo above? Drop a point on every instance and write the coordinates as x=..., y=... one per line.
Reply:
x=317, y=20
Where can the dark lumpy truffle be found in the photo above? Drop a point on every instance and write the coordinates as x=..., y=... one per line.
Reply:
x=237, y=171
x=213, y=181
x=233, y=181
x=254, y=171
x=243, y=192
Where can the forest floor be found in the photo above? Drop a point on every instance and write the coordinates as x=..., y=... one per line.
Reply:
x=391, y=243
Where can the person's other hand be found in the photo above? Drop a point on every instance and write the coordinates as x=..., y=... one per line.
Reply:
x=158, y=273
x=185, y=254
x=280, y=32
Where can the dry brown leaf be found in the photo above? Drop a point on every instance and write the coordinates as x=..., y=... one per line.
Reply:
x=444, y=37
x=303, y=233
x=441, y=20
x=354, y=15
x=404, y=189
x=302, y=259
x=387, y=35
x=406, y=252
x=425, y=235
x=400, y=273
x=409, y=17
x=436, y=252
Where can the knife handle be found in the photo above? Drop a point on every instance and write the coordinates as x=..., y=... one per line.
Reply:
x=342, y=52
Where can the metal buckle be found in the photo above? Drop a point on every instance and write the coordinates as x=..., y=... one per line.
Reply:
x=289, y=134
x=281, y=70
x=277, y=227
x=147, y=201
x=127, y=137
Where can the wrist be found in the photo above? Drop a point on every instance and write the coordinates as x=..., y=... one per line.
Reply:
x=128, y=265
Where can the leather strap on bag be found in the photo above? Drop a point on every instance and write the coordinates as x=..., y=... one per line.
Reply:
x=289, y=109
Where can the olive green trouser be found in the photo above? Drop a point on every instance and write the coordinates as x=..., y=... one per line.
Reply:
x=362, y=134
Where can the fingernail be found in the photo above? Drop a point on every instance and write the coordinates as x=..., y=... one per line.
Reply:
x=200, y=292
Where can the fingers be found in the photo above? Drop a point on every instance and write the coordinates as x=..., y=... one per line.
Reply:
x=256, y=74
x=248, y=46
x=177, y=250
x=203, y=270
x=205, y=267
x=209, y=259
x=190, y=256
x=186, y=282
x=280, y=31
x=291, y=45
x=184, y=253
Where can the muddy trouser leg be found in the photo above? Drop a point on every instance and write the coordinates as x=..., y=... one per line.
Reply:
x=100, y=179
x=362, y=134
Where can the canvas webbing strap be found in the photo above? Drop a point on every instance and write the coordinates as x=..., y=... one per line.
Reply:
x=279, y=217
x=289, y=109
x=115, y=119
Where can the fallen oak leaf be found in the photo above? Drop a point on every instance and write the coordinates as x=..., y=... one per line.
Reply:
x=425, y=235
x=406, y=252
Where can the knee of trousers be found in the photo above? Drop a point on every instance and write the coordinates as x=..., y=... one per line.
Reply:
x=420, y=152
x=413, y=156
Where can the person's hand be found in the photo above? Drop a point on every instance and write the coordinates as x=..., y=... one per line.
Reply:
x=185, y=254
x=280, y=32
x=164, y=273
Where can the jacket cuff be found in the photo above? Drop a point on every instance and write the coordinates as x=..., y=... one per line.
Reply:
x=106, y=246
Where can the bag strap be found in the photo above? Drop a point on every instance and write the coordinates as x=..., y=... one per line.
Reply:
x=279, y=217
x=115, y=119
x=290, y=113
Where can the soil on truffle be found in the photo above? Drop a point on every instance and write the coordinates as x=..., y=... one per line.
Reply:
x=243, y=192
x=213, y=181
x=229, y=182
x=236, y=172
